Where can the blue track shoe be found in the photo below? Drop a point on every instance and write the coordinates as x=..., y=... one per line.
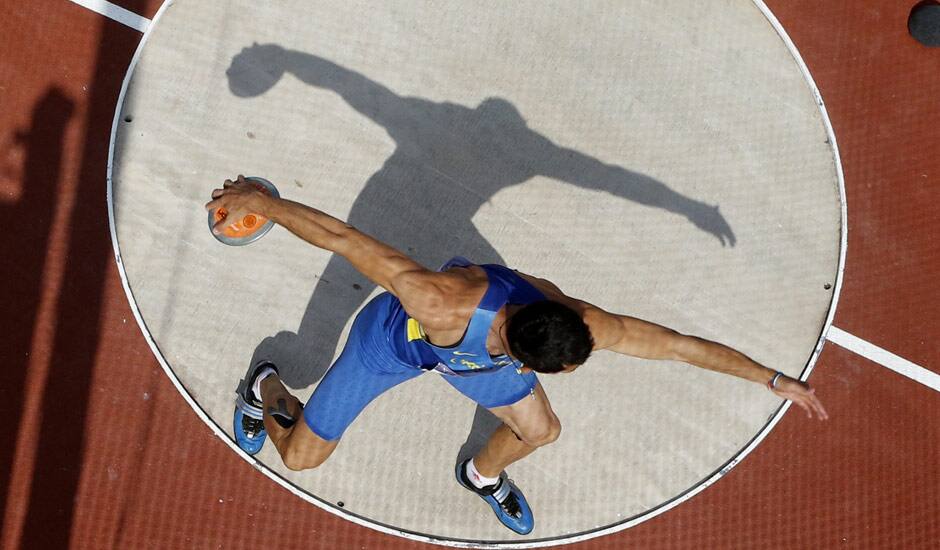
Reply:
x=249, y=426
x=504, y=498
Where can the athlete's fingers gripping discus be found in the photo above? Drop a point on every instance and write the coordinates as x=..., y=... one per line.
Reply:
x=225, y=220
x=230, y=218
x=240, y=179
x=237, y=191
x=239, y=228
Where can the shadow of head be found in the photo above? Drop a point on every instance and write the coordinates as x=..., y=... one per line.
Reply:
x=498, y=111
x=256, y=69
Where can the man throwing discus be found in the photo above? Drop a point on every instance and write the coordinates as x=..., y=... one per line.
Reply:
x=487, y=329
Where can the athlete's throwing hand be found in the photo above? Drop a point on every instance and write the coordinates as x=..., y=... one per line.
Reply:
x=239, y=198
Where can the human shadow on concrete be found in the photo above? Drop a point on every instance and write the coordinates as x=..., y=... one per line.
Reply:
x=449, y=161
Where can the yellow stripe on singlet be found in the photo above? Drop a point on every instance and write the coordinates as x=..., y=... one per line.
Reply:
x=414, y=330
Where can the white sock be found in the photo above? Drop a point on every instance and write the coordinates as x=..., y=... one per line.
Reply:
x=256, y=387
x=477, y=479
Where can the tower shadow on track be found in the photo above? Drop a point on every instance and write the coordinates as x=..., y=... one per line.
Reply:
x=449, y=161
x=25, y=252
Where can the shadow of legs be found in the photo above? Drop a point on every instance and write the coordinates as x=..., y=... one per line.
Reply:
x=484, y=424
x=303, y=358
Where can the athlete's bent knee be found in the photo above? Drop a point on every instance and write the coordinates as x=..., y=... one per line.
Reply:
x=545, y=436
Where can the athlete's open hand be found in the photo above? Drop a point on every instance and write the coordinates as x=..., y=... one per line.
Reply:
x=802, y=395
x=238, y=198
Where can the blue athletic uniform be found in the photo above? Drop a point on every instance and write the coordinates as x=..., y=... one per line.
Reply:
x=387, y=347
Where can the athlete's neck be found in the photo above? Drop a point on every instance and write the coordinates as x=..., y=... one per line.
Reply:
x=496, y=342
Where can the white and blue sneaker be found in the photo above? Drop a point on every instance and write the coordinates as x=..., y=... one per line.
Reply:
x=248, y=422
x=506, y=500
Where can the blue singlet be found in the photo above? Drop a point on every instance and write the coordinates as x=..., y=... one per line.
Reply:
x=468, y=357
x=387, y=347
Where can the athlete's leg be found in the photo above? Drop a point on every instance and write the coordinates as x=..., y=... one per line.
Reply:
x=520, y=402
x=364, y=370
x=528, y=424
x=299, y=447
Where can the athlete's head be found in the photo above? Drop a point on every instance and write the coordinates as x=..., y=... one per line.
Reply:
x=548, y=337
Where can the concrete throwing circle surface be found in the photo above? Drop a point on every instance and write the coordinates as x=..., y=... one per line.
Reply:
x=587, y=145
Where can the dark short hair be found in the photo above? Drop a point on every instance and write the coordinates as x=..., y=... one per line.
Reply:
x=547, y=335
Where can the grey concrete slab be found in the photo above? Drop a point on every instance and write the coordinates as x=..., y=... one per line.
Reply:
x=656, y=159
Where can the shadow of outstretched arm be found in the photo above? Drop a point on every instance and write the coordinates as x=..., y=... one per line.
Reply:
x=584, y=171
x=423, y=123
x=258, y=68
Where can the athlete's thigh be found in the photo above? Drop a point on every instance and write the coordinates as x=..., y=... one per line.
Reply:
x=531, y=416
x=363, y=371
x=348, y=387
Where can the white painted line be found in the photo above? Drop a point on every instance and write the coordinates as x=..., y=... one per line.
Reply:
x=884, y=358
x=116, y=13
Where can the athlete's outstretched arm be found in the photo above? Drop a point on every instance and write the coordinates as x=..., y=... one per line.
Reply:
x=420, y=290
x=639, y=338
x=631, y=336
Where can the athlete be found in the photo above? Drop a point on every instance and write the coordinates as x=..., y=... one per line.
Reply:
x=486, y=329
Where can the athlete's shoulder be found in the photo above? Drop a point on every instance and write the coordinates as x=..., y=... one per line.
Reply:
x=546, y=287
x=441, y=299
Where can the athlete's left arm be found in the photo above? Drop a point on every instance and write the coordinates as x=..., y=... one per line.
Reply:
x=639, y=338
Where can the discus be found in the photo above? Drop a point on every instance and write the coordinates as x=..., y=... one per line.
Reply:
x=251, y=227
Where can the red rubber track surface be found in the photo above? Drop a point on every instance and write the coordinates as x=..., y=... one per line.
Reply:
x=102, y=452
